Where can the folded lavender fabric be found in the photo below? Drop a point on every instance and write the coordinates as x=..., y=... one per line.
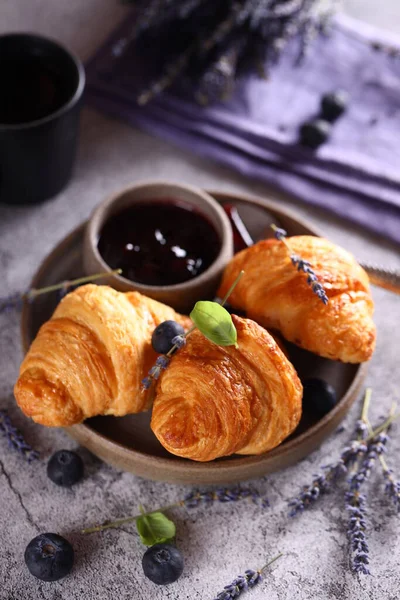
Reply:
x=355, y=174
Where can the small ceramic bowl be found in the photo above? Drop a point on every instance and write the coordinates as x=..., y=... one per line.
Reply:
x=181, y=296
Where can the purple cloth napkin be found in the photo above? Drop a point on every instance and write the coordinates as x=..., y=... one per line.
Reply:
x=355, y=174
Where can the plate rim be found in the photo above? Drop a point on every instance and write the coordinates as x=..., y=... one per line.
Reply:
x=177, y=466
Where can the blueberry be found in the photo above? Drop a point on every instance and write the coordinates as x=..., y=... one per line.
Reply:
x=319, y=397
x=162, y=337
x=333, y=105
x=162, y=563
x=49, y=557
x=314, y=133
x=65, y=468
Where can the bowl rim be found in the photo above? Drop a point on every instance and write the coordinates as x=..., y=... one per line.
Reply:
x=96, y=222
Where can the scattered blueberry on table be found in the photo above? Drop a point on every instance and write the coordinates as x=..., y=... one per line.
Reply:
x=163, y=563
x=333, y=105
x=65, y=468
x=162, y=337
x=319, y=397
x=49, y=557
x=314, y=133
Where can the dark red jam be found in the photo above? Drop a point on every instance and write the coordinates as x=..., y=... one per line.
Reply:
x=161, y=242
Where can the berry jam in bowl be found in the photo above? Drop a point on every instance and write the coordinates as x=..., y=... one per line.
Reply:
x=171, y=242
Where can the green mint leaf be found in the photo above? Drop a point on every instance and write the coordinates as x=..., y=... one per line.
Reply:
x=215, y=323
x=155, y=528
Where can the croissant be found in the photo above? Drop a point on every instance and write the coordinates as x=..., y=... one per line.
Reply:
x=276, y=295
x=213, y=401
x=90, y=357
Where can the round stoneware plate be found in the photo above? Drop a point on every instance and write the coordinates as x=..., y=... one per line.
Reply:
x=128, y=442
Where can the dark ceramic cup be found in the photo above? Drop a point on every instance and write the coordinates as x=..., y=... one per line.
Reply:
x=41, y=87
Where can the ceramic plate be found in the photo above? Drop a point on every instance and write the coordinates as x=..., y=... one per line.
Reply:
x=128, y=442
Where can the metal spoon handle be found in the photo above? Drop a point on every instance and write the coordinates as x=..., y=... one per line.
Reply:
x=389, y=279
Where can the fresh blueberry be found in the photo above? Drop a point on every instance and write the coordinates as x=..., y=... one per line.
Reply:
x=162, y=337
x=162, y=563
x=65, y=468
x=49, y=557
x=319, y=397
x=314, y=133
x=333, y=105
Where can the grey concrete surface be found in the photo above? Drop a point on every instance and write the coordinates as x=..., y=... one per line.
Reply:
x=221, y=541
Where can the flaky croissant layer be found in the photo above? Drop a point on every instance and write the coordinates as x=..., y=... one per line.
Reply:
x=214, y=401
x=277, y=296
x=90, y=357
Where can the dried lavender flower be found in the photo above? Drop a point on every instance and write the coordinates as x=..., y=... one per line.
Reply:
x=361, y=454
x=375, y=449
x=239, y=585
x=392, y=487
x=154, y=373
x=322, y=483
x=223, y=495
x=162, y=361
x=244, y=582
x=279, y=233
x=146, y=383
x=254, y=32
x=356, y=506
x=193, y=500
x=179, y=341
x=302, y=265
x=361, y=429
x=11, y=302
x=308, y=495
x=15, y=438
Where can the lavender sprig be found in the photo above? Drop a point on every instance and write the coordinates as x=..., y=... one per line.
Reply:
x=322, y=483
x=255, y=32
x=223, y=495
x=162, y=363
x=11, y=302
x=239, y=585
x=356, y=506
x=360, y=456
x=178, y=342
x=244, y=582
x=355, y=501
x=302, y=265
x=16, y=439
x=392, y=487
x=16, y=301
x=193, y=500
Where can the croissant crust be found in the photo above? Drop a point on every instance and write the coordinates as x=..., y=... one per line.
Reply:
x=91, y=356
x=277, y=296
x=213, y=401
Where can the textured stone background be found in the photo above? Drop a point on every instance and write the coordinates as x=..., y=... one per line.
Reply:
x=221, y=541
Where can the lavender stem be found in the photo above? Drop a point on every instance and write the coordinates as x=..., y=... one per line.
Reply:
x=57, y=286
x=270, y=562
x=119, y=522
x=192, y=500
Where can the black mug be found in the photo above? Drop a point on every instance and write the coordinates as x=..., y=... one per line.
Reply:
x=41, y=87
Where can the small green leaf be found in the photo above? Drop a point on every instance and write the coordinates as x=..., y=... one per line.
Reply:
x=155, y=528
x=215, y=323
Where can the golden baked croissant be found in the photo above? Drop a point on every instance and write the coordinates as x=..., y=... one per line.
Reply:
x=276, y=295
x=213, y=401
x=90, y=357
